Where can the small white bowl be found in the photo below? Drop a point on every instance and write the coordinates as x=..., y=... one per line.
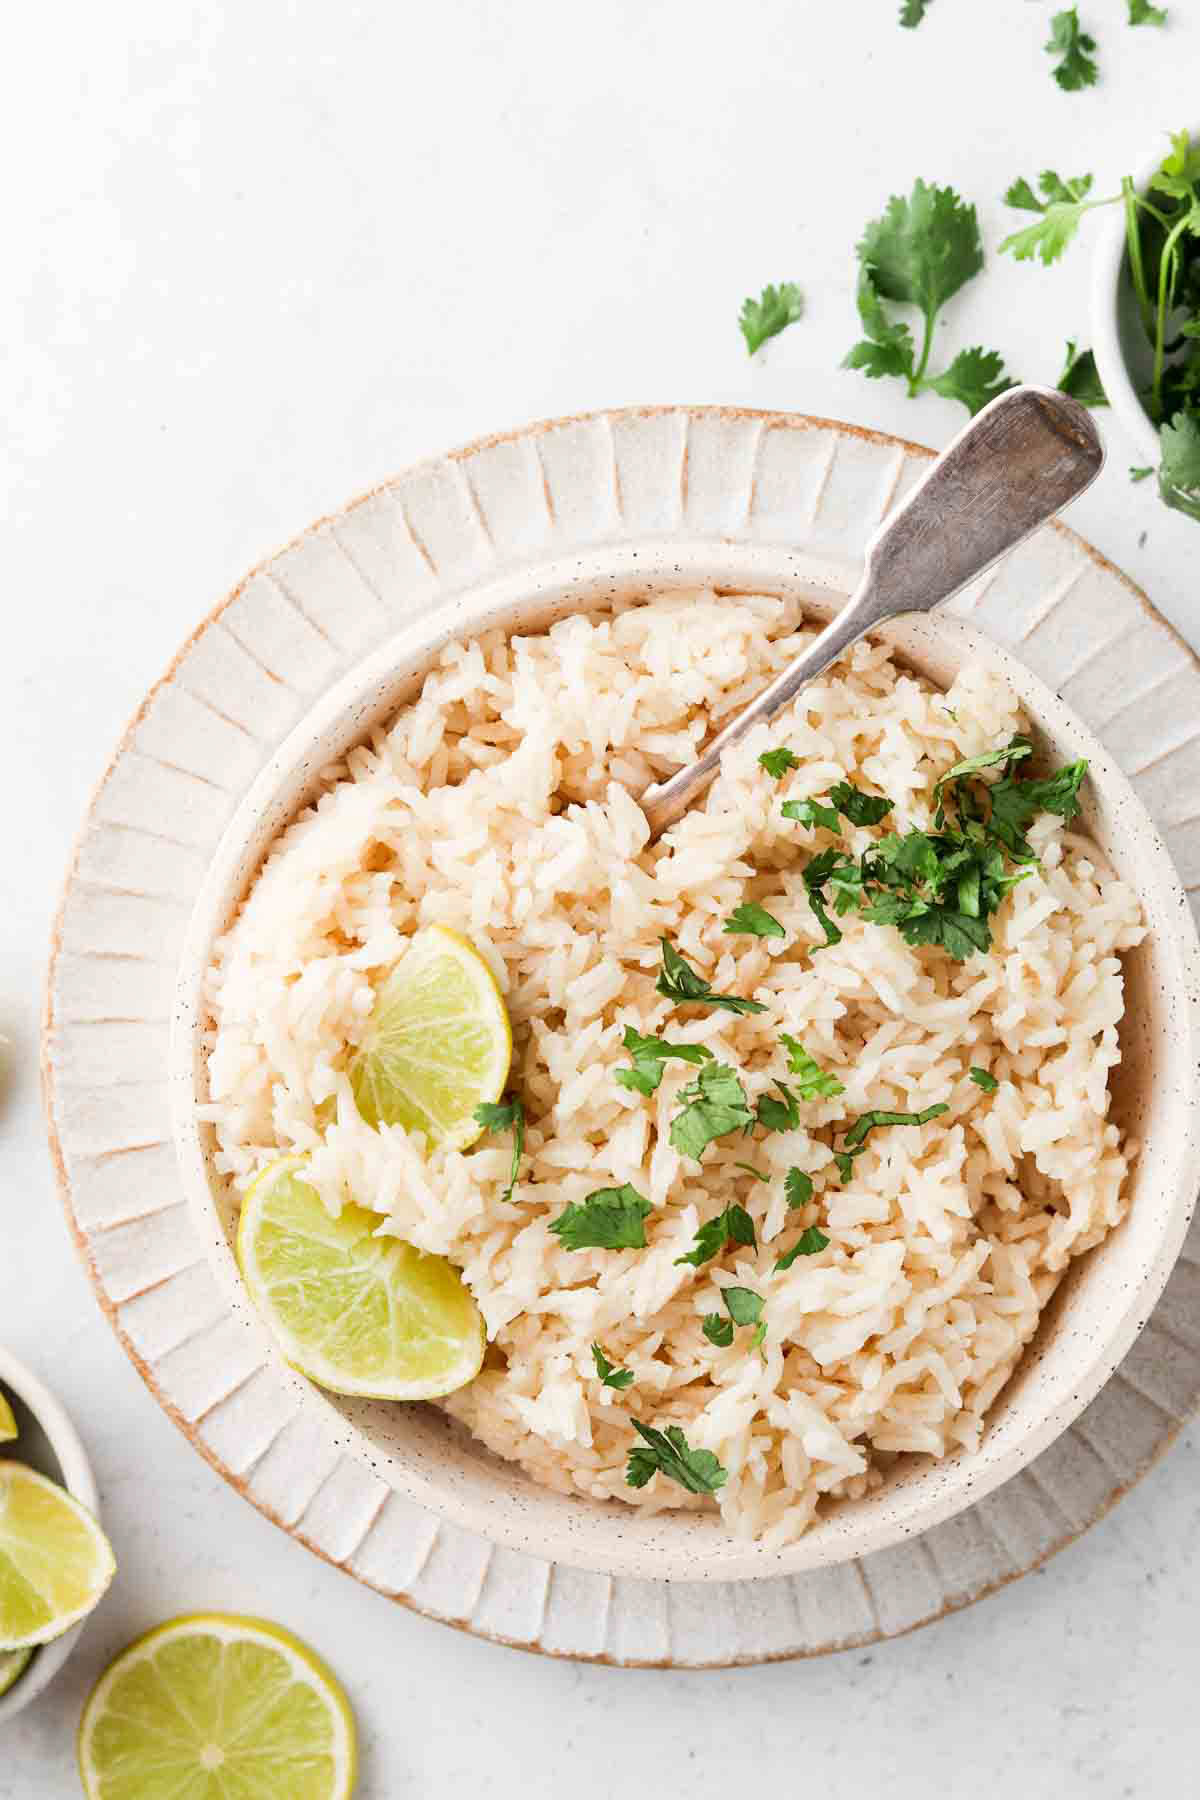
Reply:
x=62, y=1456
x=1124, y=359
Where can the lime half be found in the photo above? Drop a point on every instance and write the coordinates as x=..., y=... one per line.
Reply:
x=55, y=1562
x=359, y=1314
x=215, y=1707
x=12, y=1664
x=8, y=1425
x=437, y=1044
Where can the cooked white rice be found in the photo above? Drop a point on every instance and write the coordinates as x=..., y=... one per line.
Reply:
x=499, y=803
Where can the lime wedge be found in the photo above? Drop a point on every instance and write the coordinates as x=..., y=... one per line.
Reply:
x=8, y=1425
x=215, y=1707
x=437, y=1044
x=12, y=1664
x=55, y=1562
x=359, y=1314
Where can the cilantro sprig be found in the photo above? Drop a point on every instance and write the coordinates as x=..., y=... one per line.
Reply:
x=775, y=309
x=507, y=1115
x=668, y=1453
x=1077, y=67
x=920, y=253
x=1061, y=207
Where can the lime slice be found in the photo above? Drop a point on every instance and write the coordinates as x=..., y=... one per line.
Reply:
x=214, y=1707
x=437, y=1044
x=8, y=1425
x=12, y=1664
x=359, y=1314
x=55, y=1562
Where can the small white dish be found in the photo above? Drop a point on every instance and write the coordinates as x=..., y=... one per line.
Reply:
x=54, y=1448
x=1124, y=360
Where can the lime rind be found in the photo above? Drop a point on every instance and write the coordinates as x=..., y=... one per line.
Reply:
x=13, y=1664
x=214, y=1704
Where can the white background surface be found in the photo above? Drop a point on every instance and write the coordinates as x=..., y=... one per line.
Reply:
x=256, y=258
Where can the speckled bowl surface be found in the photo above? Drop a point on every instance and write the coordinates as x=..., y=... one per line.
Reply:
x=50, y=1443
x=329, y=637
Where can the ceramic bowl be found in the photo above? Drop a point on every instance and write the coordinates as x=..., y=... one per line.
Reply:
x=49, y=1442
x=1097, y=1312
x=1124, y=359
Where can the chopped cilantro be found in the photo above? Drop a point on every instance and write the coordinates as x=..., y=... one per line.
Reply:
x=1081, y=378
x=760, y=1333
x=1016, y=804
x=752, y=920
x=812, y=814
x=669, y=1453
x=717, y=1330
x=983, y=1080
x=859, y=808
x=610, y=1375
x=733, y=1226
x=913, y=11
x=609, y=1219
x=1142, y=13
x=778, y=1115
x=855, y=1139
x=714, y=1104
x=679, y=982
x=1068, y=40
x=798, y=1187
x=809, y=1243
x=743, y=1305
x=778, y=762
x=1136, y=474
x=775, y=309
x=811, y=1078
x=750, y=1169
x=649, y=1054
x=920, y=253
x=508, y=1115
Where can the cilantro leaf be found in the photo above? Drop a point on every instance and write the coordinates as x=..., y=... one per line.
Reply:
x=1013, y=751
x=609, y=1219
x=752, y=920
x=1062, y=206
x=811, y=1078
x=1142, y=13
x=859, y=808
x=508, y=1115
x=975, y=377
x=984, y=1080
x=610, y=1375
x=913, y=11
x=1179, y=470
x=812, y=814
x=862, y=1127
x=778, y=1115
x=923, y=249
x=845, y=1164
x=714, y=1104
x=775, y=309
x=679, y=982
x=717, y=1330
x=778, y=762
x=798, y=1187
x=809, y=1243
x=1078, y=68
x=1080, y=377
x=649, y=1055
x=743, y=1305
x=887, y=348
x=733, y=1226
x=669, y=1453
x=760, y=1332
x=1016, y=804
x=1140, y=474
x=829, y=868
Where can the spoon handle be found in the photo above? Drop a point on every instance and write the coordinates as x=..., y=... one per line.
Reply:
x=1017, y=463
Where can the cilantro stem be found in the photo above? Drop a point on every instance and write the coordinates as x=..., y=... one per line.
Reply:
x=1137, y=267
x=1168, y=270
x=916, y=380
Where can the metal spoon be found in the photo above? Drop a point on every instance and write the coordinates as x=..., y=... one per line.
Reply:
x=1016, y=464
